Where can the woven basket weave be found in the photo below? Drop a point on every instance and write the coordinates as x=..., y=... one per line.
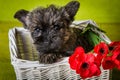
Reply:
x=24, y=58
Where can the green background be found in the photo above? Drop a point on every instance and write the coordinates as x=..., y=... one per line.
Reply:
x=106, y=13
x=98, y=10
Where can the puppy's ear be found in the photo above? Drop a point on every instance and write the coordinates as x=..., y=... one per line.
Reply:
x=21, y=16
x=71, y=8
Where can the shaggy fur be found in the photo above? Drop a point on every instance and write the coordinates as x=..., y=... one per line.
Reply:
x=50, y=30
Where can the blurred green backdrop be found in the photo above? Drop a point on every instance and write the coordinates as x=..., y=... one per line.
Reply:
x=104, y=12
x=98, y=10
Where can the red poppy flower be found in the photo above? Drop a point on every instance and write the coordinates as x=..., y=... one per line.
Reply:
x=108, y=63
x=86, y=68
x=98, y=60
x=76, y=57
x=116, y=57
x=101, y=49
x=114, y=45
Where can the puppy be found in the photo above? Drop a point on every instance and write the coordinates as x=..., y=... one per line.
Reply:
x=50, y=31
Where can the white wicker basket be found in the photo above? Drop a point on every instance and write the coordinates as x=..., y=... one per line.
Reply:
x=25, y=61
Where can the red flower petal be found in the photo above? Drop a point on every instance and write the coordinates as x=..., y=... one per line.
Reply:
x=114, y=45
x=98, y=60
x=76, y=57
x=116, y=57
x=95, y=70
x=98, y=72
x=87, y=67
x=108, y=63
x=101, y=49
x=83, y=69
x=84, y=63
x=91, y=57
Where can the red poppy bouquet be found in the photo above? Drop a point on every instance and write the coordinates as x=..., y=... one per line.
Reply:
x=88, y=64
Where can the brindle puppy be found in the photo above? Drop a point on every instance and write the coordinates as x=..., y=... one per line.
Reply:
x=50, y=30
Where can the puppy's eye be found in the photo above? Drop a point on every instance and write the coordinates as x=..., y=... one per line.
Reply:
x=37, y=29
x=37, y=32
x=57, y=27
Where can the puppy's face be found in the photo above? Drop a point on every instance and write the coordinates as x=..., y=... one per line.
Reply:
x=49, y=26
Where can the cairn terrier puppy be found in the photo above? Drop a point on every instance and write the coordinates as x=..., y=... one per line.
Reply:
x=50, y=31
